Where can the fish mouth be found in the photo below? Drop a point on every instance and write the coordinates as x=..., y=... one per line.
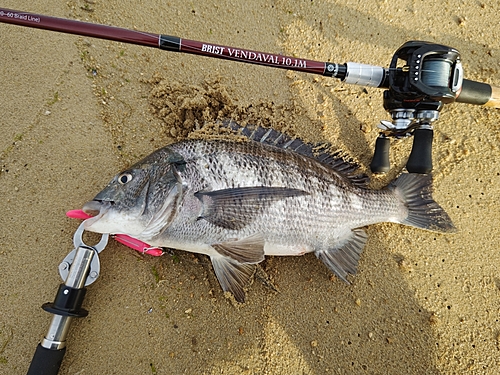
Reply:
x=92, y=208
x=97, y=209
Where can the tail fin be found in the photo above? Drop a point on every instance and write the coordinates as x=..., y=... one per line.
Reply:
x=415, y=190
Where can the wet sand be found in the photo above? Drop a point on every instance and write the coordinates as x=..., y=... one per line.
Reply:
x=77, y=110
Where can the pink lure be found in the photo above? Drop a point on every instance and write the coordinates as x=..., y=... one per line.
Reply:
x=131, y=242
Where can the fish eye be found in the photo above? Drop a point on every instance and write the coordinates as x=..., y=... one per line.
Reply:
x=124, y=178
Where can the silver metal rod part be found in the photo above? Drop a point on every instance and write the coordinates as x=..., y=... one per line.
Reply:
x=364, y=75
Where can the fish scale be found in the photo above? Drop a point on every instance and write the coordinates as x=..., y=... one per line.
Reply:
x=251, y=165
x=272, y=195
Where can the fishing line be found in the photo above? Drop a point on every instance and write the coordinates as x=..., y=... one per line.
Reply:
x=436, y=72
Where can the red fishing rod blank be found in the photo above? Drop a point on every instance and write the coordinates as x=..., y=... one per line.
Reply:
x=352, y=73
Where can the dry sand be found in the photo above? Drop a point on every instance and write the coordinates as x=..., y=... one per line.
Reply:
x=76, y=110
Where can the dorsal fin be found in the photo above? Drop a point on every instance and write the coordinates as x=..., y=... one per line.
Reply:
x=319, y=152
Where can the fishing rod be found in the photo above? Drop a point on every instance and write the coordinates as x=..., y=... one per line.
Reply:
x=472, y=92
x=415, y=92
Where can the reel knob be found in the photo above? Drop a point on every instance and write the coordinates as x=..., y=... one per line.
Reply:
x=420, y=160
x=380, y=162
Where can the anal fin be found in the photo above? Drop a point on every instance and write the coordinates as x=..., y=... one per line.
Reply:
x=232, y=275
x=343, y=258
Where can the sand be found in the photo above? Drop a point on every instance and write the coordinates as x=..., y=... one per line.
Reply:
x=76, y=110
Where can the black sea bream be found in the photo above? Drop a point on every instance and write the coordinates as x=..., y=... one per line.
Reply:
x=239, y=201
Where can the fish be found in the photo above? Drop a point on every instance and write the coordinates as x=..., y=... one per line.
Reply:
x=269, y=195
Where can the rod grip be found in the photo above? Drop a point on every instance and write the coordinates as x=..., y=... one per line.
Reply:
x=380, y=162
x=479, y=93
x=46, y=361
x=420, y=160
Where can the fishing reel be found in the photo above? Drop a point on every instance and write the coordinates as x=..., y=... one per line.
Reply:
x=430, y=77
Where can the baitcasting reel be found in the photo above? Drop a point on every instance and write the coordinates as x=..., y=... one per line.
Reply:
x=430, y=77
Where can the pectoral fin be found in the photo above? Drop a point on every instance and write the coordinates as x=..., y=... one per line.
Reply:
x=233, y=276
x=247, y=250
x=343, y=259
x=235, y=208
